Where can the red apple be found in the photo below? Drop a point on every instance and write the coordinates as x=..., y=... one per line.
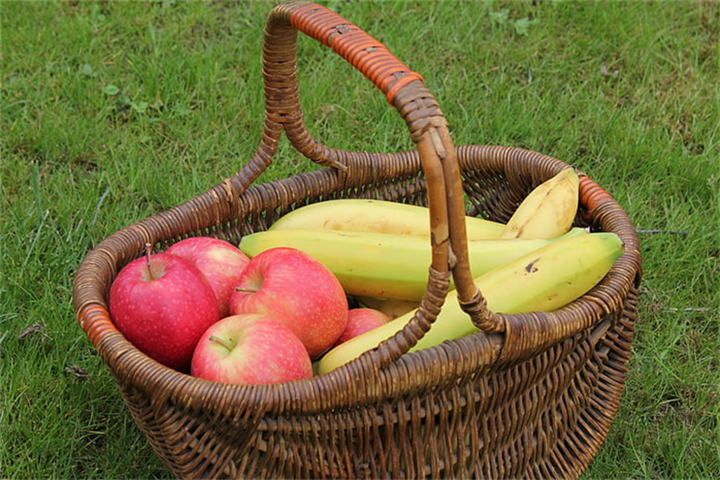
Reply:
x=162, y=304
x=221, y=262
x=250, y=349
x=298, y=290
x=361, y=320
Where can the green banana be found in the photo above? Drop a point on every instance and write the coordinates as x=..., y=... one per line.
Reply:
x=549, y=209
x=379, y=216
x=542, y=280
x=382, y=264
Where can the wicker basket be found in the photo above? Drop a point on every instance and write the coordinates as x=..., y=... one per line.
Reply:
x=532, y=395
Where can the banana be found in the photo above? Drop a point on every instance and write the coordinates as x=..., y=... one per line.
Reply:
x=393, y=307
x=542, y=280
x=379, y=216
x=382, y=264
x=549, y=209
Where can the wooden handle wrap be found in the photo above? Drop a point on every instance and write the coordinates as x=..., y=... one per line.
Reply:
x=367, y=55
x=592, y=194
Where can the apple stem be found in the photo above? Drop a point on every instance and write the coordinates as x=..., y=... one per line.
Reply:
x=246, y=289
x=221, y=341
x=148, y=254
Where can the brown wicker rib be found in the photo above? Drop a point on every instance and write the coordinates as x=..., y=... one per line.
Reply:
x=532, y=396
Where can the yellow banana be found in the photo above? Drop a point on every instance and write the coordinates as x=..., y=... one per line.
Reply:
x=549, y=209
x=543, y=280
x=396, y=308
x=379, y=216
x=381, y=264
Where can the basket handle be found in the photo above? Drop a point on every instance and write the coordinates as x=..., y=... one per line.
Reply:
x=406, y=92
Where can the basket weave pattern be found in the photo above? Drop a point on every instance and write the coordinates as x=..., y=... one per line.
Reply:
x=530, y=396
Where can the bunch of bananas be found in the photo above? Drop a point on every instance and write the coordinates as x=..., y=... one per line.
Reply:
x=380, y=252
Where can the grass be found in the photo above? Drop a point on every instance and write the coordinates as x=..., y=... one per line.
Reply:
x=113, y=111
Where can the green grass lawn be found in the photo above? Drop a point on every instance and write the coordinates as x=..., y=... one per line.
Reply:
x=113, y=111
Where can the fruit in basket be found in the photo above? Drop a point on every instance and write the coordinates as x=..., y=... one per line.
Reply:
x=251, y=349
x=390, y=306
x=162, y=304
x=378, y=216
x=549, y=209
x=296, y=289
x=544, y=280
x=361, y=320
x=381, y=264
x=219, y=261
